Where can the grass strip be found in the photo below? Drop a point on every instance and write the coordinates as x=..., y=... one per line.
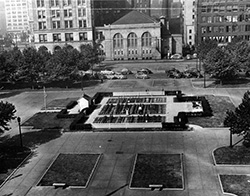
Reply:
x=160, y=169
x=238, y=155
x=236, y=184
x=72, y=169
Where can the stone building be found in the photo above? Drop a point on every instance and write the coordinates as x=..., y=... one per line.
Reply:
x=134, y=36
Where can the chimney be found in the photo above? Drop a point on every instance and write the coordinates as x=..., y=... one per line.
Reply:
x=163, y=20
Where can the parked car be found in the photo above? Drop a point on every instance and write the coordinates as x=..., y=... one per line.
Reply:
x=126, y=71
x=188, y=57
x=141, y=75
x=107, y=72
x=145, y=71
x=194, y=56
x=176, y=56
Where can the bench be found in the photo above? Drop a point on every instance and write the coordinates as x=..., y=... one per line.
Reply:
x=59, y=185
x=156, y=186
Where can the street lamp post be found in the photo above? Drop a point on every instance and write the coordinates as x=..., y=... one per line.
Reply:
x=20, y=133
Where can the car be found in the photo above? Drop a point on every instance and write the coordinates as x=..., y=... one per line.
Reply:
x=145, y=71
x=107, y=72
x=176, y=56
x=194, y=56
x=141, y=75
x=188, y=57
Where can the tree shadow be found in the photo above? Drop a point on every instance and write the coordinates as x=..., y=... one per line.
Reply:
x=12, y=154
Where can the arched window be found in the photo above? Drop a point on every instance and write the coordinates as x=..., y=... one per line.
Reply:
x=118, y=41
x=56, y=48
x=132, y=40
x=146, y=39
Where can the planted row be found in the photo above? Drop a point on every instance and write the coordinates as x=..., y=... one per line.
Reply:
x=130, y=119
x=128, y=109
x=136, y=100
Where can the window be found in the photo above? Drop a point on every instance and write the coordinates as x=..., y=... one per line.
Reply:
x=222, y=8
x=41, y=25
x=203, y=19
x=190, y=37
x=221, y=29
x=41, y=14
x=68, y=13
x=203, y=30
x=234, y=18
x=216, y=29
x=209, y=29
x=229, y=8
x=68, y=24
x=54, y=2
x=228, y=18
x=209, y=19
x=228, y=29
x=118, y=41
x=55, y=13
x=43, y=38
x=40, y=3
x=235, y=8
x=57, y=37
x=56, y=24
x=66, y=2
x=80, y=2
x=146, y=40
x=82, y=23
x=81, y=12
x=204, y=9
x=216, y=8
x=190, y=30
x=132, y=40
x=83, y=36
x=69, y=37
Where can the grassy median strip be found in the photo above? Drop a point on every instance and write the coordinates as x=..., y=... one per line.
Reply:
x=236, y=184
x=71, y=169
x=238, y=155
x=158, y=169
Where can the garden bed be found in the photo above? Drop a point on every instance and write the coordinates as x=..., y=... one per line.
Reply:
x=235, y=184
x=157, y=169
x=72, y=169
x=238, y=155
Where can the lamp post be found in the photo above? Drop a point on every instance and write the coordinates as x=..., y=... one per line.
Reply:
x=20, y=133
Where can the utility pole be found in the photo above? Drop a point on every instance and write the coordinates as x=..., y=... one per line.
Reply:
x=20, y=133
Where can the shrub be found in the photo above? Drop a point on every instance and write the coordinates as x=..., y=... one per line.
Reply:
x=71, y=104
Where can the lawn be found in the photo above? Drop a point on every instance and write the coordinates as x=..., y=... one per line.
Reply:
x=238, y=155
x=157, y=169
x=47, y=120
x=59, y=104
x=72, y=169
x=219, y=105
x=236, y=184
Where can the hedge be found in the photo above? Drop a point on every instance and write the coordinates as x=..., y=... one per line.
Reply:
x=64, y=114
x=71, y=104
x=174, y=126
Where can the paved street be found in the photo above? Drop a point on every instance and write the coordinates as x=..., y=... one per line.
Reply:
x=113, y=172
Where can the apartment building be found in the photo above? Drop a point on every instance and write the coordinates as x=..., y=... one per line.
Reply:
x=222, y=20
x=16, y=14
x=59, y=23
x=189, y=17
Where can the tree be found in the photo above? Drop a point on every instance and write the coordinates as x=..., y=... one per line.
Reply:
x=220, y=63
x=7, y=113
x=238, y=121
x=204, y=47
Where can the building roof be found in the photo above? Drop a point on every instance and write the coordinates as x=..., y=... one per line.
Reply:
x=134, y=17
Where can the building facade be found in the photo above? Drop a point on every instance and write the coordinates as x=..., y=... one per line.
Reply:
x=16, y=14
x=189, y=17
x=134, y=36
x=59, y=23
x=223, y=20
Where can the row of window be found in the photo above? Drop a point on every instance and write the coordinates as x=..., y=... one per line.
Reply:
x=226, y=39
x=132, y=40
x=220, y=1
x=68, y=37
x=224, y=8
x=131, y=52
x=40, y=3
x=57, y=13
x=57, y=24
x=225, y=29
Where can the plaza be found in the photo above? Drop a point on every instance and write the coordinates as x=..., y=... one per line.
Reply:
x=119, y=149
